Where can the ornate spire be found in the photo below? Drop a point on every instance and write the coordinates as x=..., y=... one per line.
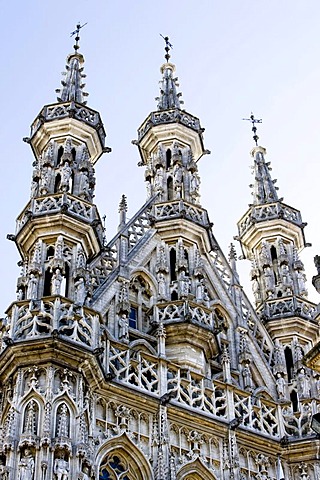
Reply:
x=72, y=86
x=169, y=98
x=264, y=190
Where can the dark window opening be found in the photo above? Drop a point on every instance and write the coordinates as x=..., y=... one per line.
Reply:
x=57, y=183
x=67, y=277
x=47, y=283
x=174, y=295
x=168, y=158
x=50, y=252
x=273, y=252
x=73, y=153
x=60, y=153
x=173, y=260
x=289, y=362
x=170, y=188
x=294, y=400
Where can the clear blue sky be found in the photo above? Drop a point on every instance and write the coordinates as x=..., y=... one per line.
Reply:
x=232, y=57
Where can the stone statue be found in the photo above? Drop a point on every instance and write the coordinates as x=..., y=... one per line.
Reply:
x=66, y=173
x=286, y=279
x=269, y=281
x=281, y=386
x=61, y=468
x=56, y=282
x=301, y=279
x=123, y=327
x=32, y=292
x=265, y=256
x=200, y=290
x=247, y=377
x=80, y=291
x=34, y=189
x=84, y=186
x=256, y=289
x=158, y=180
x=184, y=283
x=303, y=384
x=161, y=285
x=45, y=179
x=26, y=466
x=194, y=184
x=177, y=174
x=20, y=294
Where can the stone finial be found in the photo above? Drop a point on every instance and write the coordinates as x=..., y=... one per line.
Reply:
x=264, y=190
x=72, y=84
x=123, y=208
x=169, y=98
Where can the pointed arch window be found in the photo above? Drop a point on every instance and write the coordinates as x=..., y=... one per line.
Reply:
x=168, y=158
x=116, y=467
x=47, y=283
x=57, y=183
x=289, y=362
x=170, y=188
x=173, y=262
x=59, y=156
x=294, y=401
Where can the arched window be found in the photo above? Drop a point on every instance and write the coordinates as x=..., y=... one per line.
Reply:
x=173, y=261
x=73, y=153
x=294, y=401
x=60, y=153
x=273, y=252
x=289, y=362
x=168, y=158
x=170, y=188
x=139, y=295
x=117, y=466
x=47, y=283
x=195, y=471
x=57, y=183
x=50, y=252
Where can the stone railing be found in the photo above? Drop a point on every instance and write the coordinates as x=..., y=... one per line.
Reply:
x=180, y=310
x=169, y=116
x=180, y=209
x=73, y=110
x=29, y=320
x=225, y=402
x=289, y=307
x=268, y=211
x=54, y=203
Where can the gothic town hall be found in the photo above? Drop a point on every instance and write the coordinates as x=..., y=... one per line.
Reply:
x=140, y=357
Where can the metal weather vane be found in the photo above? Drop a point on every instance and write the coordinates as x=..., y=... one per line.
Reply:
x=254, y=128
x=77, y=32
x=167, y=48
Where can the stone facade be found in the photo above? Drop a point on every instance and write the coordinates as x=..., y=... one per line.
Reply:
x=141, y=357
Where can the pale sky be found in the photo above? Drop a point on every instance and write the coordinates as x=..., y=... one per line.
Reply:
x=232, y=57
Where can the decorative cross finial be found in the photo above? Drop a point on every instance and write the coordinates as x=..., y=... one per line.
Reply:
x=76, y=32
x=254, y=128
x=167, y=48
